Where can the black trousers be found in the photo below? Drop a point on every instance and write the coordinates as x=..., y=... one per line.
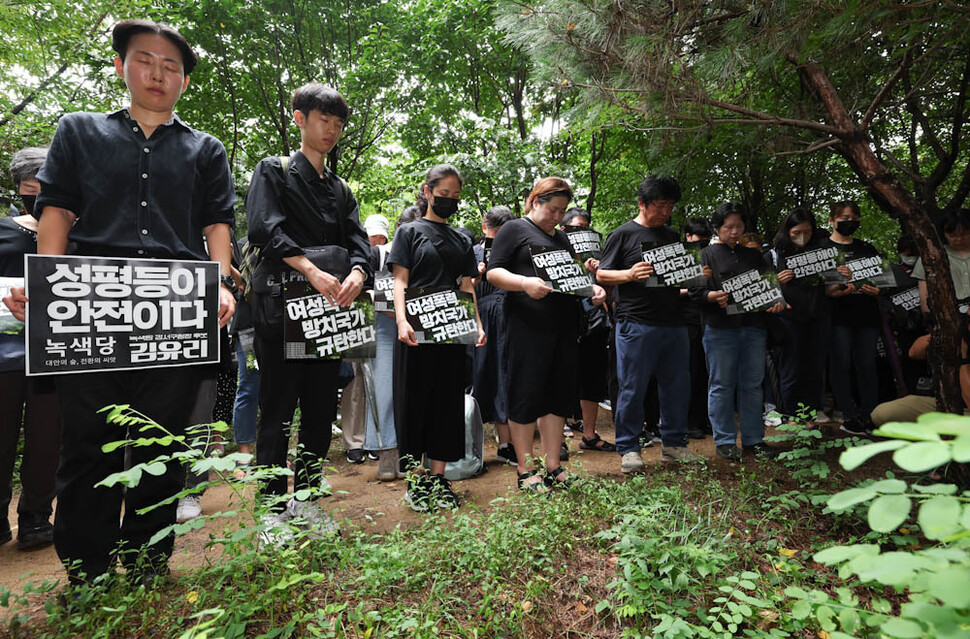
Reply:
x=41, y=422
x=802, y=363
x=697, y=409
x=312, y=384
x=86, y=530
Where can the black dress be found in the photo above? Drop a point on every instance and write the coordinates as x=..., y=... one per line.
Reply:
x=491, y=373
x=429, y=380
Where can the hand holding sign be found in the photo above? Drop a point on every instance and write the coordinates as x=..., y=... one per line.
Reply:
x=17, y=302
x=324, y=283
x=640, y=271
x=869, y=289
x=718, y=297
x=535, y=288
x=786, y=276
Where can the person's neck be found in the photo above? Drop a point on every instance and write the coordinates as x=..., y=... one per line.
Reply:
x=431, y=216
x=838, y=238
x=149, y=120
x=642, y=221
x=316, y=159
x=533, y=220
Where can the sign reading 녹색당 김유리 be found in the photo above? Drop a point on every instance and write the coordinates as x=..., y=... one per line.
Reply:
x=751, y=291
x=561, y=271
x=313, y=328
x=673, y=265
x=97, y=313
x=441, y=315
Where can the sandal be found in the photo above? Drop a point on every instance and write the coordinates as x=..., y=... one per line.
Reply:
x=551, y=480
x=533, y=487
x=597, y=443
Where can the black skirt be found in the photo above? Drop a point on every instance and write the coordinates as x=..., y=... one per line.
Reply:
x=491, y=374
x=429, y=400
x=543, y=370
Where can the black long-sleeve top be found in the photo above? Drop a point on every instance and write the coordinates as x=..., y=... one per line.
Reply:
x=726, y=261
x=287, y=215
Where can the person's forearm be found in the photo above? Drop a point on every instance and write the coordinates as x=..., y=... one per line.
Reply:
x=300, y=263
x=52, y=230
x=612, y=278
x=218, y=238
x=505, y=279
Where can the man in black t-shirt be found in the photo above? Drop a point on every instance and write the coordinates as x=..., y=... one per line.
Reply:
x=306, y=223
x=651, y=335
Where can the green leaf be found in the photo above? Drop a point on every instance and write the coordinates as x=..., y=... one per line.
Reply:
x=902, y=629
x=961, y=449
x=155, y=468
x=889, y=486
x=939, y=517
x=858, y=455
x=945, y=423
x=888, y=512
x=801, y=610
x=906, y=430
x=937, y=489
x=922, y=456
x=851, y=497
x=838, y=554
x=951, y=585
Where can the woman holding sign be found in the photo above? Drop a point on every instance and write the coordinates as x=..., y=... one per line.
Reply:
x=430, y=261
x=542, y=324
x=734, y=302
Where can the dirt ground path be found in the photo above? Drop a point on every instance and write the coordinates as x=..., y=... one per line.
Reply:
x=359, y=500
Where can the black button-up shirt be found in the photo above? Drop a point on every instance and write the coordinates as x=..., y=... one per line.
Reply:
x=302, y=210
x=137, y=197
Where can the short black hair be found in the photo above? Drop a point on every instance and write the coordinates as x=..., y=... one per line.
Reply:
x=497, y=216
x=906, y=244
x=953, y=220
x=25, y=163
x=315, y=96
x=125, y=30
x=575, y=212
x=836, y=207
x=698, y=226
x=408, y=215
x=722, y=212
x=658, y=187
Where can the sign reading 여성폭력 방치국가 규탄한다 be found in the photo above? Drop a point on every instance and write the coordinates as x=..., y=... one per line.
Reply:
x=96, y=313
x=441, y=315
x=751, y=291
x=673, y=264
x=313, y=328
x=561, y=271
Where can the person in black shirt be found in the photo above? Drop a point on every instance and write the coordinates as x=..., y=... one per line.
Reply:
x=429, y=391
x=135, y=183
x=490, y=386
x=697, y=232
x=651, y=337
x=543, y=332
x=30, y=402
x=855, y=327
x=304, y=206
x=735, y=344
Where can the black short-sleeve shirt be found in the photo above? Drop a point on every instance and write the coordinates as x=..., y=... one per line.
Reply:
x=137, y=197
x=434, y=254
x=511, y=251
x=15, y=242
x=656, y=306
x=855, y=310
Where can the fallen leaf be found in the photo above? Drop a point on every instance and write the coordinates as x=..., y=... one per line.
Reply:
x=823, y=635
x=787, y=552
x=581, y=607
x=192, y=596
x=526, y=606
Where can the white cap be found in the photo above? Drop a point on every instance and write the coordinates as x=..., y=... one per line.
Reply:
x=376, y=224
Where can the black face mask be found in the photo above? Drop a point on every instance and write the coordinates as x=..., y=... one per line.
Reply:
x=444, y=207
x=848, y=227
x=28, y=201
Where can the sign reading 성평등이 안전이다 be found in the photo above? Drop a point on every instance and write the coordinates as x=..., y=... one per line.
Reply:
x=873, y=270
x=907, y=299
x=9, y=324
x=313, y=328
x=586, y=242
x=751, y=291
x=673, y=265
x=561, y=271
x=441, y=315
x=97, y=313
x=817, y=266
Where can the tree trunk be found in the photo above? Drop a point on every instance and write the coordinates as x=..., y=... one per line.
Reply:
x=946, y=320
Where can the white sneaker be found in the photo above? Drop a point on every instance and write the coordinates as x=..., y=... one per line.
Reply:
x=311, y=518
x=772, y=419
x=277, y=532
x=632, y=462
x=189, y=507
x=606, y=405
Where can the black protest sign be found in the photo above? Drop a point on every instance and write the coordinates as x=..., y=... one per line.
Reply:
x=673, y=265
x=96, y=313
x=561, y=271
x=907, y=300
x=817, y=266
x=751, y=291
x=313, y=328
x=487, y=249
x=587, y=243
x=441, y=315
x=872, y=270
x=383, y=291
x=9, y=325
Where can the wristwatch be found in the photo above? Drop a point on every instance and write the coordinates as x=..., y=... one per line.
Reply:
x=228, y=281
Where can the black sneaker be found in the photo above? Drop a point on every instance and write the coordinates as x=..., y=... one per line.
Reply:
x=418, y=496
x=564, y=452
x=695, y=433
x=576, y=426
x=729, y=452
x=372, y=455
x=5, y=534
x=441, y=494
x=507, y=454
x=855, y=427
x=34, y=533
x=355, y=456
x=762, y=450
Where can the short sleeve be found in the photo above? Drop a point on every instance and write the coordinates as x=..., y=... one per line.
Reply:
x=60, y=183
x=612, y=258
x=469, y=263
x=220, y=196
x=919, y=273
x=401, y=248
x=504, y=246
